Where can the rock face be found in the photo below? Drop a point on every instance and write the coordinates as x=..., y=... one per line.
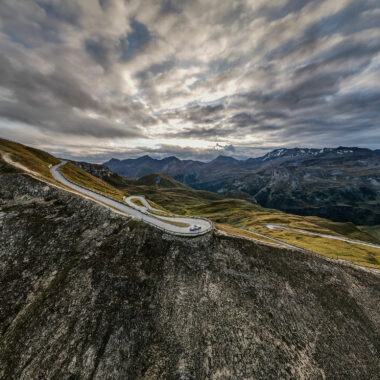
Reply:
x=97, y=170
x=102, y=172
x=89, y=294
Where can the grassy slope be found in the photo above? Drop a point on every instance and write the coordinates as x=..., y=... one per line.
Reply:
x=39, y=161
x=160, y=180
x=33, y=159
x=236, y=231
x=358, y=254
x=81, y=177
x=372, y=230
x=228, y=213
x=137, y=202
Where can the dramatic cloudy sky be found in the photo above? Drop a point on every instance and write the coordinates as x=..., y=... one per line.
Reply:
x=93, y=79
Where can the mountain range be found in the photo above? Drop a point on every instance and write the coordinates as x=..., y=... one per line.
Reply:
x=341, y=184
x=90, y=293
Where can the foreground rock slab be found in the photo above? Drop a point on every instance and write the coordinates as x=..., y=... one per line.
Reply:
x=89, y=294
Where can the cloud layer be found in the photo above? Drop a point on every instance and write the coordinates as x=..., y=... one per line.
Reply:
x=101, y=78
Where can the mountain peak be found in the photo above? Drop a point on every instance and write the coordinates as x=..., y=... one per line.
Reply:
x=224, y=159
x=303, y=152
x=287, y=152
x=170, y=158
x=112, y=161
x=145, y=158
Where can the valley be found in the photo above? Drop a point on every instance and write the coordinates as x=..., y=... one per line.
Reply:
x=189, y=190
x=81, y=283
x=233, y=216
x=340, y=184
x=175, y=225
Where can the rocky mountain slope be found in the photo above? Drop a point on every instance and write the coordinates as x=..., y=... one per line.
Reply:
x=185, y=171
x=341, y=184
x=89, y=294
x=100, y=171
x=232, y=216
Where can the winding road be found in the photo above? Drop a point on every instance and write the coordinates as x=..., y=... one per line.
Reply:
x=147, y=206
x=165, y=223
x=278, y=227
x=178, y=225
x=277, y=241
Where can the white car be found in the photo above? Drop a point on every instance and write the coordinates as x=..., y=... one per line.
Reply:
x=195, y=227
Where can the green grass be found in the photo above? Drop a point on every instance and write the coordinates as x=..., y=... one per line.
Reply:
x=358, y=254
x=243, y=216
x=174, y=200
x=81, y=177
x=234, y=231
x=137, y=202
x=371, y=230
x=160, y=180
x=155, y=205
x=161, y=213
x=33, y=159
x=347, y=229
x=229, y=214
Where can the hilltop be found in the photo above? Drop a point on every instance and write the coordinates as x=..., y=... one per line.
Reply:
x=85, y=293
x=34, y=160
x=160, y=180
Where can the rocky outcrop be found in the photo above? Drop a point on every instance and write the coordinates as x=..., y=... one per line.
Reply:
x=97, y=170
x=102, y=172
x=89, y=294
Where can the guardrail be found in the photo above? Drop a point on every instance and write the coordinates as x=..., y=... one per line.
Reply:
x=190, y=233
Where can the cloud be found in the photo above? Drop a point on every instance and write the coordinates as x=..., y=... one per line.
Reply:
x=189, y=76
x=100, y=50
x=136, y=40
x=185, y=152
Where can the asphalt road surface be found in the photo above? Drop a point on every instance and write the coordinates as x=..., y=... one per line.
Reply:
x=167, y=223
x=163, y=223
x=277, y=227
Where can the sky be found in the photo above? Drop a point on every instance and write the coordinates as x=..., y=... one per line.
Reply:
x=96, y=79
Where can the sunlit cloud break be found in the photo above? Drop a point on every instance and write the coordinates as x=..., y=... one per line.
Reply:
x=95, y=79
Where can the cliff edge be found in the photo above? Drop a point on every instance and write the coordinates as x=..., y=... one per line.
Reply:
x=86, y=293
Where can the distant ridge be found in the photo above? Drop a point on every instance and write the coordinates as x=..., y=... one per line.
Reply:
x=224, y=160
x=342, y=184
x=160, y=180
x=274, y=154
